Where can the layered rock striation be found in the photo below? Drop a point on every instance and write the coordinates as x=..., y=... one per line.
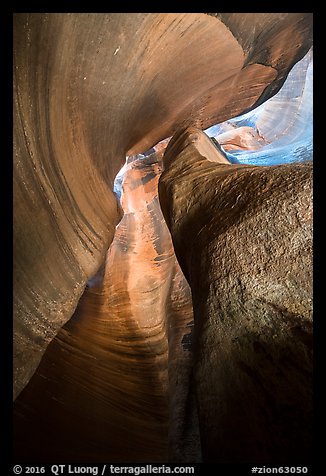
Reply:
x=116, y=376
x=243, y=237
x=130, y=377
x=278, y=131
x=90, y=89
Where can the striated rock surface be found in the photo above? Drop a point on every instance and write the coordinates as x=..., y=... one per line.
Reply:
x=278, y=131
x=90, y=89
x=243, y=237
x=111, y=378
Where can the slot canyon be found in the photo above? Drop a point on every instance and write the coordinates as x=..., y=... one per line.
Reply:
x=162, y=237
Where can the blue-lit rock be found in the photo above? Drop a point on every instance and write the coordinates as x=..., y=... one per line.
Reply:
x=90, y=90
x=280, y=130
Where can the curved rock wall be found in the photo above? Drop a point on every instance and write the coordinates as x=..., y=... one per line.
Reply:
x=121, y=365
x=263, y=136
x=91, y=88
x=243, y=237
x=116, y=382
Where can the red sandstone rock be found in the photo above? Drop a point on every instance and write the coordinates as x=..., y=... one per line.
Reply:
x=90, y=89
x=243, y=237
x=113, y=353
x=241, y=138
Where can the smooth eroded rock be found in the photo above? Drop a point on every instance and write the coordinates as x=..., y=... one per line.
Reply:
x=113, y=384
x=90, y=89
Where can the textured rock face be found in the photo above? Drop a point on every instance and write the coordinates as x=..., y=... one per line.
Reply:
x=243, y=237
x=265, y=136
x=120, y=366
x=91, y=88
x=122, y=381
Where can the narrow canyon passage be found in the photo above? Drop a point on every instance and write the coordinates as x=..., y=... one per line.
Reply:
x=170, y=321
x=116, y=405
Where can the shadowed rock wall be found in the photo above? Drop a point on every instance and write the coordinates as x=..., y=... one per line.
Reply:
x=90, y=89
x=243, y=237
x=115, y=379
